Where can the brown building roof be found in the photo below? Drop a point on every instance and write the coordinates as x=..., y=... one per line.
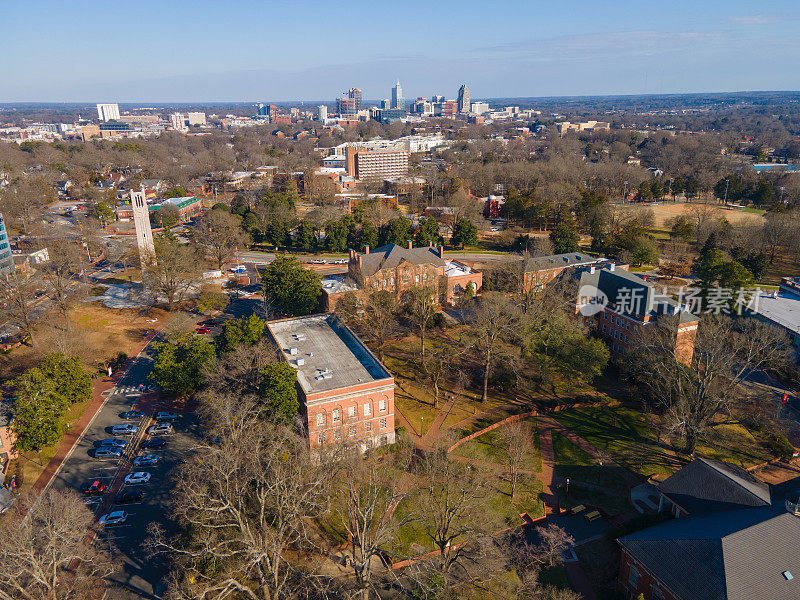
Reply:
x=391, y=255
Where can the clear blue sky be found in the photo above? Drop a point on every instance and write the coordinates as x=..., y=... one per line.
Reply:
x=244, y=50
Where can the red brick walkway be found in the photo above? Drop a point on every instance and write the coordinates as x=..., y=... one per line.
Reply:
x=72, y=436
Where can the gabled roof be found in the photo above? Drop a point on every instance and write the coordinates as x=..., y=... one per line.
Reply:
x=555, y=261
x=731, y=555
x=391, y=255
x=709, y=485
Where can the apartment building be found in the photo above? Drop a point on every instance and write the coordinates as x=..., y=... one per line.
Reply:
x=346, y=394
x=363, y=163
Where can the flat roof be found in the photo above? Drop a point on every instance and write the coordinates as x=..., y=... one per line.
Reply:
x=782, y=309
x=333, y=357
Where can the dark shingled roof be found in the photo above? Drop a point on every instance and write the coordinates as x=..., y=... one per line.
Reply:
x=729, y=555
x=391, y=255
x=555, y=261
x=708, y=485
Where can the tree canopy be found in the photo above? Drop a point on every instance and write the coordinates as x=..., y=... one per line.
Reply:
x=291, y=288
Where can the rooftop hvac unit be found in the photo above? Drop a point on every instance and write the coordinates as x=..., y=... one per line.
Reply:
x=300, y=362
x=293, y=350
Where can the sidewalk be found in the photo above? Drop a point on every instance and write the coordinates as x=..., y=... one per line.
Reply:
x=77, y=429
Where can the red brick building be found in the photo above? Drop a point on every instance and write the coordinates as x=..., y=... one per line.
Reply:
x=629, y=305
x=346, y=394
x=397, y=269
x=538, y=271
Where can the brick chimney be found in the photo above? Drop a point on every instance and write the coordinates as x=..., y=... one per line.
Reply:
x=366, y=249
x=409, y=244
x=441, y=251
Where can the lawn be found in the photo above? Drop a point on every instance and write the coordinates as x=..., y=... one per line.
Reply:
x=574, y=463
x=488, y=447
x=624, y=435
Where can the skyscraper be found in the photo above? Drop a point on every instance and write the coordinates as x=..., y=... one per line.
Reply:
x=463, y=99
x=355, y=94
x=108, y=112
x=397, y=96
x=323, y=112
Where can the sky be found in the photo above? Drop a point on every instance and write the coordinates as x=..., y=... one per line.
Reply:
x=244, y=50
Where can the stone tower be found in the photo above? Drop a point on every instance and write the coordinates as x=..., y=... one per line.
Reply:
x=144, y=235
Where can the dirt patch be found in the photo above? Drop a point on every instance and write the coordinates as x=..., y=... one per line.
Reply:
x=777, y=473
x=95, y=334
x=667, y=211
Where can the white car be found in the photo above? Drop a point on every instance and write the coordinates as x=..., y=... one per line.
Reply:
x=145, y=460
x=137, y=478
x=117, y=517
x=238, y=269
x=159, y=429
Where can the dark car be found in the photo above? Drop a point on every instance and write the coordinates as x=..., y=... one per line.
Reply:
x=132, y=415
x=129, y=496
x=93, y=488
x=154, y=443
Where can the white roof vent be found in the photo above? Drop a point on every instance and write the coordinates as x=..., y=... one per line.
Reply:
x=300, y=362
x=787, y=575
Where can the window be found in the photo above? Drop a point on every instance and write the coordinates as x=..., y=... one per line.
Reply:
x=383, y=423
x=626, y=339
x=320, y=419
x=391, y=281
x=633, y=577
x=657, y=593
x=321, y=437
x=424, y=276
x=367, y=409
x=351, y=412
x=353, y=430
x=382, y=405
x=604, y=327
x=337, y=434
x=367, y=426
x=627, y=325
x=416, y=278
x=336, y=415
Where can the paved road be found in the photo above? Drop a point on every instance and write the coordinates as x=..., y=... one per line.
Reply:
x=139, y=575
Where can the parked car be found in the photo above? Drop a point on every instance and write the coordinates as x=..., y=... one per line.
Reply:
x=114, y=442
x=238, y=269
x=203, y=330
x=159, y=429
x=129, y=497
x=154, y=443
x=108, y=452
x=165, y=415
x=93, y=488
x=132, y=415
x=145, y=460
x=117, y=517
x=137, y=478
x=318, y=261
x=124, y=429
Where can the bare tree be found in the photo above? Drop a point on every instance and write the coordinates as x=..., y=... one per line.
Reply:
x=43, y=553
x=379, y=318
x=451, y=509
x=494, y=318
x=174, y=271
x=245, y=502
x=516, y=442
x=64, y=263
x=223, y=232
x=18, y=294
x=691, y=395
x=420, y=303
x=365, y=506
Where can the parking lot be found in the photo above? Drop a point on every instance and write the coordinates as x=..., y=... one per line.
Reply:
x=140, y=575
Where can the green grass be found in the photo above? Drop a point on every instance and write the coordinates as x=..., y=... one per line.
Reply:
x=576, y=495
x=624, y=435
x=574, y=463
x=489, y=447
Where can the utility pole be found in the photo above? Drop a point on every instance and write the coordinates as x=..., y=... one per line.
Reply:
x=727, y=183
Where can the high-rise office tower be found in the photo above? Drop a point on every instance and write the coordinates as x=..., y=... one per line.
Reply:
x=323, y=112
x=463, y=99
x=355, y=94
x=397, y=96
x=262, y=110
x=141, y=221
x=108, y=112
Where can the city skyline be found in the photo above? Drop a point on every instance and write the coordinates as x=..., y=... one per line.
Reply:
x=222, y=55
